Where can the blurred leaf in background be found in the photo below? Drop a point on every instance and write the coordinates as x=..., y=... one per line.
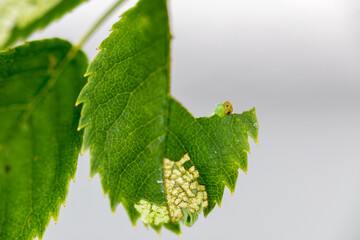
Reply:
x=19, y=18
x=39, y=141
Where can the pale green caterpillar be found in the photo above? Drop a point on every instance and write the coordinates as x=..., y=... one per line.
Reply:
x=223, y=109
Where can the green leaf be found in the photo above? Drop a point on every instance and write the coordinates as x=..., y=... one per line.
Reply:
x=39, y=143
x=152, y=155
x=18, y=19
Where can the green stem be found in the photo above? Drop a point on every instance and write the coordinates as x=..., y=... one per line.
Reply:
x=98, y=23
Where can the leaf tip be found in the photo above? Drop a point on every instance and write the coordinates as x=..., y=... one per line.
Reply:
x=244, y=169
x=113, y=205
x=92, y=174
x=82, y=152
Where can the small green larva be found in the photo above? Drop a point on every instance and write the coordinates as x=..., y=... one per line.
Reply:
x=223, y=109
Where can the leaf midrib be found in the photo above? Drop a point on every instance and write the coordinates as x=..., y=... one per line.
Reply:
x=50, y=83
x=29, y=107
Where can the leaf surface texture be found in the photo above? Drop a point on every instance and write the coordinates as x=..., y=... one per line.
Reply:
x=39, y=141
x=133, y=125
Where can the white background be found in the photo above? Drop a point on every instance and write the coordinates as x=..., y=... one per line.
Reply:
x=298, y=63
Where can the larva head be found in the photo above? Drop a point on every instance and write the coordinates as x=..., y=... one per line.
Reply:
x=228, y=107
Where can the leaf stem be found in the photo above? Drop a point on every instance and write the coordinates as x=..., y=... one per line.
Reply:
x=98, y=23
